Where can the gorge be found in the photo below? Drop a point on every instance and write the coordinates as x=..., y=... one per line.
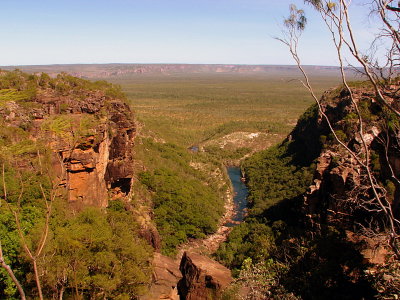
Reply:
x=126, y=209
x=240, y=193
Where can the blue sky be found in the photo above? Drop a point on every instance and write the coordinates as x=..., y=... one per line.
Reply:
x=156, y=31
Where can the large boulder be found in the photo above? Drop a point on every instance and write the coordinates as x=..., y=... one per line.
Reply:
x=202, y=278
x=166, y=275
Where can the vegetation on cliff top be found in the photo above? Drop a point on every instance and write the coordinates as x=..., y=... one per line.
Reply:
x=93, y=252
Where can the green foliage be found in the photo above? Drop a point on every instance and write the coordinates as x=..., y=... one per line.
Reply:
x=31, y=210
x=17, y=86
x=97, y=253
x=310, y=114
x=392, y=122
x=375, y=161
x=390, y=189
x=61, y=125
x=13, y=95
x=273, y=176
x=116, y=231
x=67, y=84
x=17, y=80
x=183, y=207
x=340, y=135
x=72, y=128
x=187, y=201
x=11, y=250
x=249, y=239
x=10, y=137
x=260, y=280
x=366, y=112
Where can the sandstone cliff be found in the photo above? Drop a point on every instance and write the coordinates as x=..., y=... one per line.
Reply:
x=336, y=163
x=88, y=127
x=341, y=193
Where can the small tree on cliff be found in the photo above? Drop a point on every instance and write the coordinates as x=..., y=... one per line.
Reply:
x=34, y=245
x=382, y=72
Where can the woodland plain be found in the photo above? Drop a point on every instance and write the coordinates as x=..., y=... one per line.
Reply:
x=179, y=111
x=190, y=109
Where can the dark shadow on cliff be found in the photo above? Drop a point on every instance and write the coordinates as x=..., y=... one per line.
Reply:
x=331, y=268
x=322, y=263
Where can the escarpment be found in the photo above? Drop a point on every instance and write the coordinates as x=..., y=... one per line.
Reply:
x=88, y=127
x=340, y=185
x=325, y=202
x=355, y=185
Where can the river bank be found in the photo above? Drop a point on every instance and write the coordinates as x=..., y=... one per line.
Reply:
x=235, y=210
x=167, y=274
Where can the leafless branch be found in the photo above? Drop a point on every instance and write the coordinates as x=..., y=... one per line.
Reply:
x=337, y=19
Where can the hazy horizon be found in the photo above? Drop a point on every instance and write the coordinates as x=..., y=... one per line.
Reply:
x=167, y=63
x=239, y=32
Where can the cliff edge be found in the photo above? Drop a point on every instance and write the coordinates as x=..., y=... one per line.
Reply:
x=88, y=127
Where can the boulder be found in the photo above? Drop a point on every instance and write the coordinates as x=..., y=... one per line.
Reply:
x=202, y=278
x=166, y=275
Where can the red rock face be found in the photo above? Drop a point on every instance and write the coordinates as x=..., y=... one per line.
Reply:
x=203, y=278
x=85, y=176
x=120, y=163
x=93, y=145
x=105, y=169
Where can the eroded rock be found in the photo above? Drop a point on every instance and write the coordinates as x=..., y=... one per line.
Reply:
x=202, y=278
x=166, y=275
x=91, y=136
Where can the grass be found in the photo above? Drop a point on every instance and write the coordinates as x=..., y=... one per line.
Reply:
x=189, y=109
x=7, y=95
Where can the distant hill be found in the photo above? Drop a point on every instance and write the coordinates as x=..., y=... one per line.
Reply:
x=118, y=70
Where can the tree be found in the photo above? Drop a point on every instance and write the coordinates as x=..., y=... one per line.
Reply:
x=96, y=254
x=382, y=74
x=32, y=250
x=11, y=274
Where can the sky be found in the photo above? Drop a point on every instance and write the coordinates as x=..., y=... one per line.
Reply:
x=159, y=31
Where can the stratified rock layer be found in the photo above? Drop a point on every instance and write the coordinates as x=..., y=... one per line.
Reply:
x=91, y=135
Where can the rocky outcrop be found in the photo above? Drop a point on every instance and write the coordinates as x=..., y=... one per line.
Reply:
x=166, y=275
x=341, y=193
x=195, y=277
x=149, y=232
x=120, y=163
x=90, y=133
x=100, y=166
x=203, y=278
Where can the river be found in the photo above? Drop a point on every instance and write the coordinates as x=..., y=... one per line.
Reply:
x=234, y=215
x=240, y=193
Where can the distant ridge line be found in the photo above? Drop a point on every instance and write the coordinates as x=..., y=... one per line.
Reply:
x=128, y=69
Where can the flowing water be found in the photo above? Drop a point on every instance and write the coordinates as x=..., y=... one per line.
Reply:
x=213, y=241
x=240, y=193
